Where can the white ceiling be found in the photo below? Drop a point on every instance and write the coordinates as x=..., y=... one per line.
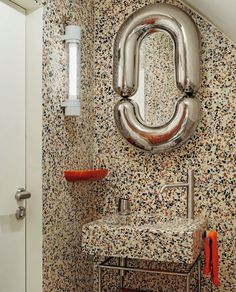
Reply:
x=222, y=13
x=29, y=5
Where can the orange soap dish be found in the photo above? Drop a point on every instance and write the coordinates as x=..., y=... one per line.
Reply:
x=85, y=175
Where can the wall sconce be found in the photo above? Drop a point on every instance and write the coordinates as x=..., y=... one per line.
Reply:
x=72, y=38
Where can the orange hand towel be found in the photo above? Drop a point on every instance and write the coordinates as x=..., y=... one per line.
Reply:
x=212, y=258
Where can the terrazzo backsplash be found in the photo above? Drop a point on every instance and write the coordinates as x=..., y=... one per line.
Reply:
x=93, y=140
x=67, y=144
x=210, y=153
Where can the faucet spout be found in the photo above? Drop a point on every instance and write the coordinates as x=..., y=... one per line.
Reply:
x=174, y=185
x=190, y=192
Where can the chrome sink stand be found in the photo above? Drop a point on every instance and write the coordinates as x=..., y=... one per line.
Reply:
x=120, y=267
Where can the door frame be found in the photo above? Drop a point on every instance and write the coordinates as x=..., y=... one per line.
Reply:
x=34, y=44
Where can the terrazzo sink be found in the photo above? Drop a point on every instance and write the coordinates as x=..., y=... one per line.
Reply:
x=148, y=237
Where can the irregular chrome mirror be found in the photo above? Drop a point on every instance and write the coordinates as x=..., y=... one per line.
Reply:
x=185, y=35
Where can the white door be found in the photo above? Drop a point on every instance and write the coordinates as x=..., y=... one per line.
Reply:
x=12, y=146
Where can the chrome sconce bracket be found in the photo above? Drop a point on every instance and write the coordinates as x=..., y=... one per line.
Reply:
x=185, y=35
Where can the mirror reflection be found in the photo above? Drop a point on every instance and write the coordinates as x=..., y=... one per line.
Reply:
x=157, y=91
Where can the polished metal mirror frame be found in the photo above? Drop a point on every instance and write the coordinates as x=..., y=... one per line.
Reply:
x=186, y=37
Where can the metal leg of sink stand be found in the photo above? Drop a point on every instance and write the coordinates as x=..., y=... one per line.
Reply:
x=99, y=279
x=122, y=263
x=199, y=274
x=188, y=283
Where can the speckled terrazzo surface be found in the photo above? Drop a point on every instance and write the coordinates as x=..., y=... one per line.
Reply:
x=210, y=153
x=67, y=144
x=73, y=143
x=178, y=240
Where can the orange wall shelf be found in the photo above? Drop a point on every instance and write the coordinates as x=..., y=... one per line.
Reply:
x=85, y=175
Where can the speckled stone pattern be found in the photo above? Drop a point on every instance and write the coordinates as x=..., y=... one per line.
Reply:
x=93, y=140
x=161, y=46
x=210, y=152
x=145, y=237
x=67, y=144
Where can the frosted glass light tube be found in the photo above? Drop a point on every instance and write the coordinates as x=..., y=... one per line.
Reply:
x=74, y=65
x=72, y=38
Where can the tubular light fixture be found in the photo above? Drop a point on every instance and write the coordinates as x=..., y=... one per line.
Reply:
x=72, y=39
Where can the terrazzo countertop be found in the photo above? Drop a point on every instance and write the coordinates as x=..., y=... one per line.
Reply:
x=147, y=237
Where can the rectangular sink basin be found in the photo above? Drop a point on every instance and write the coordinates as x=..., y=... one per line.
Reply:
x=147, y=237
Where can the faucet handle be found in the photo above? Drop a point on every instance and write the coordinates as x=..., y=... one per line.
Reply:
x=123, y=206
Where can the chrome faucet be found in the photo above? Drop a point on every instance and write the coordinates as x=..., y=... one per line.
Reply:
x=190, y=192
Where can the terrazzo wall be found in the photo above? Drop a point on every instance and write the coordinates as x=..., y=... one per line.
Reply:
x=210, y=153
x=93, y=139
x=67, y=144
